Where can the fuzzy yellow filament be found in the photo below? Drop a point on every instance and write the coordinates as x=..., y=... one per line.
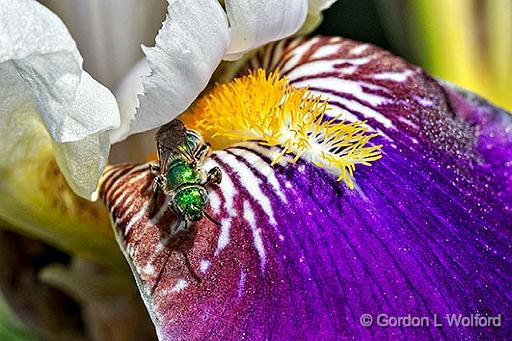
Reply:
x=265, y=108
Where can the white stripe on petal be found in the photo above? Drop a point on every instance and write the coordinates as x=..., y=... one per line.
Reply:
x=256, y=234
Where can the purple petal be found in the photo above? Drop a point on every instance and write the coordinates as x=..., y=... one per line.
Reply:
x=493, y=128
x=299, y=256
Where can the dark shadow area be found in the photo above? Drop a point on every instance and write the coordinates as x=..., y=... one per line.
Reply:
x=355, y=19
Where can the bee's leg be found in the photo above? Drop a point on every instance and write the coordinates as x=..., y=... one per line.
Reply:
x=202, y=152
x=161, y=272
x=169, y=251
x=212, y=219
x=190, y=268
x=154, y=168
x=156, y=189
x=177, y=226
x=214, y=176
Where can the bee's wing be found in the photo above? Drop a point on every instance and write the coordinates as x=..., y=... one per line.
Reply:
x=170, y=139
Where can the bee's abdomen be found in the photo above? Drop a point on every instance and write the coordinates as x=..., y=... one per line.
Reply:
x=180, y=173
x=191, y=201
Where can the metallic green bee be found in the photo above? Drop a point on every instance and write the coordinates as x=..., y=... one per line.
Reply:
x=178, y=174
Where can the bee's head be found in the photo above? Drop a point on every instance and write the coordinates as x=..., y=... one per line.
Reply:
x=191, y=202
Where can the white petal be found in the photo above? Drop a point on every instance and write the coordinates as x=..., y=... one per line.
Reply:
x=72, y=105
x=127, y=97
x=23, y=138
x=189, y=46
x=82, y=162
x=109, y=33
x=254, y=22
x=317, y=6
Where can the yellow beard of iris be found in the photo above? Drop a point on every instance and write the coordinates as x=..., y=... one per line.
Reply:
x=267, y=109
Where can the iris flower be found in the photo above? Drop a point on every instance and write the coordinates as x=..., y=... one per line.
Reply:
x=311, y=240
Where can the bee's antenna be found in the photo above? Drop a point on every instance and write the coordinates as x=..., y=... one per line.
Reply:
x=175, y=228
x=159, y=277
x=189, y=267
x=211, y=218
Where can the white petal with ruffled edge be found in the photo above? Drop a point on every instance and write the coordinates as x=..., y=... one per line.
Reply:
x=189, y=46
x=41, y=72
x=127, y=95
x=45, y=56
x=254, y=23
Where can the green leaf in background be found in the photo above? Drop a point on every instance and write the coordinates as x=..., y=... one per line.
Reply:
x=11, y=329
x=467, y=42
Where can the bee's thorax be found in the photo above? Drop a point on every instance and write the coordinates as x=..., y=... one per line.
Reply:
x=180, y=173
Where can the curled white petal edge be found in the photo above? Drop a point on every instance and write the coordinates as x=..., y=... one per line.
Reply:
x=193, y=40
x=189, y=47
x=127, y=95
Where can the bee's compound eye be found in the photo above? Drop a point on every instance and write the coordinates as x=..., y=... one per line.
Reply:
x=191, y=202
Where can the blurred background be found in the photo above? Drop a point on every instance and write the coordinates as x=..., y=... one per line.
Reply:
x=468, y=42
